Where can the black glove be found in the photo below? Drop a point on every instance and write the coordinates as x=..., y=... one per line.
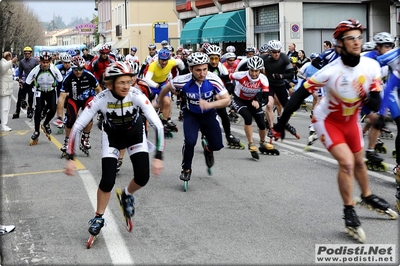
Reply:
x=277, y=76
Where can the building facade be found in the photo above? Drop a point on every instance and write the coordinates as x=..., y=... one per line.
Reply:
x=125, y=24
x=307, y=24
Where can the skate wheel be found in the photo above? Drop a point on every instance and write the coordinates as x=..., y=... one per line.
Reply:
x=394, y=153
x=398, y=205
x=384, y=150
x=277, y=152
x=33, y=142
x=242, y=146
x=129, y=224
x=185, y=185
x=90, y=241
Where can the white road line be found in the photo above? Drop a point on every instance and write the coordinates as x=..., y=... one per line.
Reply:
x=285, y=143
x=112, y=237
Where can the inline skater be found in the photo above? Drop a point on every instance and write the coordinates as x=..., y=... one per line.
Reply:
x=392, y=59
x=277, y=69
x=230, y=62
x=143, y=87
x=99, y=65
x=149, y=58
x=157, y=77
x=44, y=78
x=79, y=88
x=242, y=65
x=132, y=56
x=375, y=121
x=199, y=110
x=123, y=128
x=65, y=69
x=25, y=66
x=245, y=101
x=351, y=77
x=216, y=67
x=85, y=54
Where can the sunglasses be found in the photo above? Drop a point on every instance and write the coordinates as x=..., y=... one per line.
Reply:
x=77, y=68
x=352, y=38
x=275, y=52
x=387, y=45
x=27, y=53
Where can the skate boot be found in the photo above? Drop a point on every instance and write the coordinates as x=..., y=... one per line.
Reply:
x=379, y=146
x=34, y=138
x=376, y=203
x=30, y=113
x=234, y=143
x=127, y=204
x=119, y=164
x=312, y=137
x=233, y=117
x=386, y=133
x=95, y=225
x=185, y=177
x=84, y=146
x=15, y=115
x=353, y=224
x=169, y=127
x=209, y=157
x=267, y=148
x=253, y=151
x=64, y=148
x=59, y=124
x=292, y=130
x=46, y=130
x=375, y=162
x=24, y=104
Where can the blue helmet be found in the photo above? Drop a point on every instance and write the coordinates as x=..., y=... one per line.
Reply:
x=134, y=49
x=72, y=53
x=164, y=54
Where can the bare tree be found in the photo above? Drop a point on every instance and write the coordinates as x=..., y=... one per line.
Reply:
x=20, y=26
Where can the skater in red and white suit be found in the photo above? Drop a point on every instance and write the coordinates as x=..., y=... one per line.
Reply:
x=350, y=82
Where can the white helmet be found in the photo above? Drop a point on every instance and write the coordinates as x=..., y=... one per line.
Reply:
x=230, y=49
x=117, y=69
x=66, y=58
x=229, y=55
x=197, y=58
x=383, y=37
x=368, y=46
x=263, y=49
x=255, y=63
x=274, y=45
x=134, y=65
x=213, y=50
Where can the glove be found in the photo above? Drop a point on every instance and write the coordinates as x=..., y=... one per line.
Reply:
x=276, y=76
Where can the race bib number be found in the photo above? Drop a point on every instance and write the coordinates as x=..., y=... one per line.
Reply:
x=37, y=94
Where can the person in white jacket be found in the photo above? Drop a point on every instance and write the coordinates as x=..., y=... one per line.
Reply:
x=6, y=87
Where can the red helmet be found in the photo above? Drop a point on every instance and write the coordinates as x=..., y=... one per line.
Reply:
x=347, y=25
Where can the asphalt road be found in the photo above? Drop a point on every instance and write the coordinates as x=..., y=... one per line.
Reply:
x=266, y=212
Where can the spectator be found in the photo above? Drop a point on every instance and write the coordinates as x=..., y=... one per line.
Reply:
x=6, y=87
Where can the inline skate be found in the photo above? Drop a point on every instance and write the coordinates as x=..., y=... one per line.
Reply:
x=375, y=203
x=127, y=204
x=64, y=148
x=24, y=104
x=209, y=157
x=185, y=177
x=375, y=161
x=292, y=130
x=312, y=137
x=353, y=224
x=233, y=117
x=268, y=148
x=34, y=138
x=84, y=146
x=119, y=164
x=169, y=127
x=46, y=130
x=253, y=151
x=95, y=226
x=30, y=113
x=386, y=133
x=59, y=124
x=234, y=142
x=379, y=146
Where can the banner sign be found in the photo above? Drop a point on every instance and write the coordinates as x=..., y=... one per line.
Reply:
x=87, y=28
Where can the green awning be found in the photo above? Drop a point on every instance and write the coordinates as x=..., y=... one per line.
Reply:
x=225, y=27
x=192, y=31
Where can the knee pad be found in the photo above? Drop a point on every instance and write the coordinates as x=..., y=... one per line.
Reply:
x=109, y=172
x=141, y=168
